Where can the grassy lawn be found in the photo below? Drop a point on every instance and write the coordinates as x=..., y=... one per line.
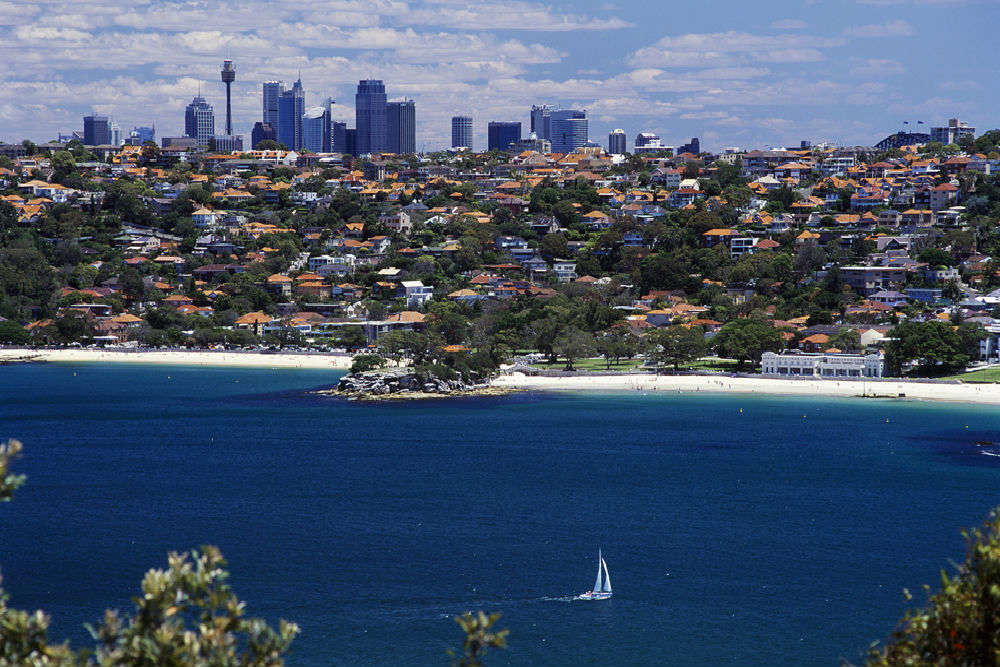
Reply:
x=984, y=375
x=597, y=364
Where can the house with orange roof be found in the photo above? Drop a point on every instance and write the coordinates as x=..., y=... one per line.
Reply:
x=254, y=322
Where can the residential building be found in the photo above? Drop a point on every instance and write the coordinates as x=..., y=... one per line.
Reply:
x=868, y=280
x=416, y=293
x=617, y=142
x=199, y=121
x=569, y=130
x=501, y=134
x=401, y=124
x=461, y=132
x=953, y=132
x=96, y=130
x=541, y=121
x=370, y=117
x=693, y=147
x=291, y=107
x=532, y=143
x=798, y=364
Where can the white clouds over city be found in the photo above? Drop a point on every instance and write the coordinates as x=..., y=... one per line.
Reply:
x=143, y=60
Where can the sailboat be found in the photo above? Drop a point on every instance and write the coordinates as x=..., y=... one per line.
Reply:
x=602, y=587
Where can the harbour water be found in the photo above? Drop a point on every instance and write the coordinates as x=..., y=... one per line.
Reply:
x=737, y=530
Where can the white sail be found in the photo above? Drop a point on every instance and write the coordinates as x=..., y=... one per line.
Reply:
x=607, y=578
x=597, y=584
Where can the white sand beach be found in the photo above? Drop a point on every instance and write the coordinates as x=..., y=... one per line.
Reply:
x=965, y=393
x=185, y=358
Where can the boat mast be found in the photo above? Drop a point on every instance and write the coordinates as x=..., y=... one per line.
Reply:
x=597, y=584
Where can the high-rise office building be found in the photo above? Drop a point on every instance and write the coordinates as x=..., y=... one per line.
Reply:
x=116, y=134
x=227, y=143
x=617, y=142
x=351, y=141
x=501, y=134
x=272, y=90
x=140, y=135
x=262, y=132
x=337, y=138
x=541, y=121
x=646, y=139
x=291, y=106
x=401, y=127
x=570, y=130
x=96, y=130
x=228, y=76
x=199, y=121
x=370, y=117
x=316, y=129
x=461, y=132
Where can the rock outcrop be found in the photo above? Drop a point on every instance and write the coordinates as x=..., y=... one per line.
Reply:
x=402, y=382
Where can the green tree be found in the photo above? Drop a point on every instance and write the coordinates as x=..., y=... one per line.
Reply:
x=573, y=344
x=479, y=638
x=63, y=164
x=13, y=333
x=677, y=344
x=960, y=626
x=936, y=348
x=846, y=339
x=746, y=340
x=366, y=362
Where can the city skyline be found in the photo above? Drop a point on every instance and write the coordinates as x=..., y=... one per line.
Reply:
x=840, y=71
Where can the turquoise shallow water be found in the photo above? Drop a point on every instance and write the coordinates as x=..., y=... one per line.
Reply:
x=781, y=535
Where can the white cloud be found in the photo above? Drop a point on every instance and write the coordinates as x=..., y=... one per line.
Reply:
x=729, y=48
x=789, y=24
x=897, y=28
x=876, y=67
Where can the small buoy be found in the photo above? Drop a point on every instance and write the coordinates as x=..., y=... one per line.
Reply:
x=741, y=410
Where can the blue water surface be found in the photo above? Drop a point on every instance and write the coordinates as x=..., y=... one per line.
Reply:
x=737, y=530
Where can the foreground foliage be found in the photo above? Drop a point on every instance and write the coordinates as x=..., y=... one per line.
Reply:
x=961, y=624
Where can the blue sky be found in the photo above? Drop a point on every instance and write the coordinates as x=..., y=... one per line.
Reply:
x=733, y=73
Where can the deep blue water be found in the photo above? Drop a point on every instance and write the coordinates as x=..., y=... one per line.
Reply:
x=781, y=535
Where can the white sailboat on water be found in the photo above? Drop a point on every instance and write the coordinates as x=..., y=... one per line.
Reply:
x=602, y=587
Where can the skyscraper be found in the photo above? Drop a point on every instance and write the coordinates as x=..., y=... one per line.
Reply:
x=228, y=76
x=570, y=130
x=271, y=92
x=262, y=132
x=316, y=129
x=401, y=123
x=370, y=117
x=291, y=106
x=338, y=140
x=461, y=132
x=96, y=130
x=116, y=134
x=199, y=120
x=617, y=142
x=541, y=121
x=140, y=135
x=501, y=134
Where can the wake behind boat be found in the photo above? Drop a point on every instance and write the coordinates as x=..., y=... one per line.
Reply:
x=602, y=587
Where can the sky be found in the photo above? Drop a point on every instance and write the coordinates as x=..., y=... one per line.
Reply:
x=734, y=73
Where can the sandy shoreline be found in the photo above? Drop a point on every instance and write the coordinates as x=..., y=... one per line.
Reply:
x=964, y=393
x=185, y=358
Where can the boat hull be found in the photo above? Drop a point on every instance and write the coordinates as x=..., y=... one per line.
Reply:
x=593, y=595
